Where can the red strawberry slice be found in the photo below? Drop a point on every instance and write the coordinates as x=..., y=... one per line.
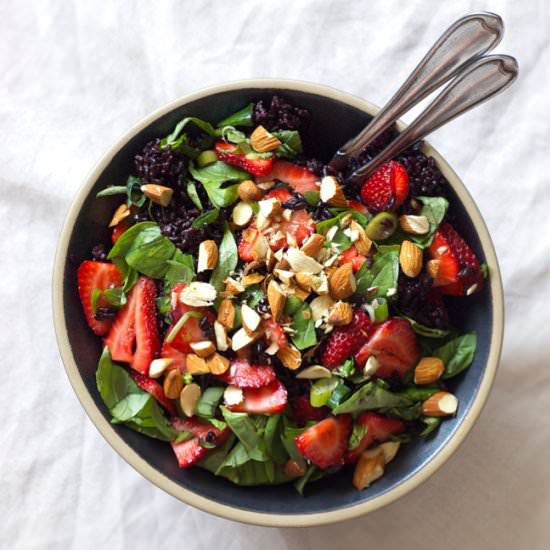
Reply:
x=96, y=275
x=247, y=242
x=119, y=229
x=274, y=333
x=179, y=359
x=270, y=399
x=351, y=255
x=190, y=451
x=459, y=270
x=387, y=188
x=380, y=428
x=394, y=344
x=303, y=411
x=155, y=389
x=230, y=153
x=122, y=336
x=356, y=205
x=325, y=443
x=297, y=177
x=345, y=341
x=244, y=375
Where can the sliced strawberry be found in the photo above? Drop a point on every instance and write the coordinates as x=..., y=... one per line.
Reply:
x=270, y=399
x=190, y=451
x=458, y=270
x=359, y=207
x=303, y=411
x=179, y=359
x=380, y=428
x=387, y=188
x=230, y=153
x=94, y=275
x=325, y=443
x=297, y=177
x=394, y=344
x=345, y=341
x=155, y=389
x=119, y=229
x=244, y=375
x=122, y=336
x=274, y=333
x=350, y=255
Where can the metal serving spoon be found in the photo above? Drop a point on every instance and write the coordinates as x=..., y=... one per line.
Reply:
x=463, y=42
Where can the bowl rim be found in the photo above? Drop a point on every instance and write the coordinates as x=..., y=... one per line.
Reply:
x=204, y=503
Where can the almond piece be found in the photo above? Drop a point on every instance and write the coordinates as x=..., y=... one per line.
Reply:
x=248, y=191
x=300, y=293
x=362, y=243
x=203, y=349
x=261, y=246
x=159, y=194
x=313, y=245
x=276, y=299
x=226, y=313
x=173, y=384
x=198, y=294
x=218, y=364
x=432, y=267
x=233, y=395
x=250, y=318
x=320, y=307
x=414, y=225
x=222, y=342
x=428, y=370
x=342, y=282
x=314, y=372
x=189, y=397
x=158, y=366
x=270, y=207
x=371, y=366
x=293, y=468
x=196, y=364
x=241, y=339
x=208, y=256
x=304, y=280
x=441, y=403
x=340, y=314
x=300, y=262
x=290, y=357
x=120, y=213
x=252, y=279
x=232, y=287
x=242, y=214
x=284, y=276
x=389, y=448
x=410, y=259
x=263, y=141
x=369, y=468
x=332, y=193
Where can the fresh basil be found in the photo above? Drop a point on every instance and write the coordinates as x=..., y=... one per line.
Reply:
x=433, y=208
x=254, y=295
x=227, y=259
x=130, y=406
x=312, y=197
x=291, y=144
x=457, y=354
x=229, y=133
x=171, y=140
x=339, y=393
x=240, y=118
x=293, y=304
x=214, y=459
x=193, y=195
x=419, y=394
x=205, y=218
x=181, y=269
x=369, y=397
x=214, y=176
x=131, y=190
x=96, y=295
x=408, y=414
x=247, y=432
x=382, y=274
x=115, y=296
x=209, y=401
x=431, y=423
x=112, y=190
x=184, y=436
x=272, y=437
x=304, y=327
x=346, y=369
x=325, y=225
x=312, y=474
x=428, y=332
x=288, y=436
x=357, y=434
x=151, y=258
x=137, y=235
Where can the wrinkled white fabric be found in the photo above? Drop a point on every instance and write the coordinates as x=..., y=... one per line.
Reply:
x=76, y=74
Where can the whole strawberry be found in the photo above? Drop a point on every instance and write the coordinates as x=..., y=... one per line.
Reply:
x=344, y=342
x=387, y=188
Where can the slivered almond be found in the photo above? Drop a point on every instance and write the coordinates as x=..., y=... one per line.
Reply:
x=270, y=260
x=159, y=194
x=248, y=191
x=173, y=383
x=260, y=248
x=389, y=448
x=270, y=207
x=252, y=279
x=158, y=366
x=428, y=370
x=121, y=213
x=233, y=287
x=414, y=225
x=242, y=214
x=314, y=372
x=250, y=318
x=304, y=280
x=263, y=141
x=340, y=314
x=208, y=256
x=290, y=357
x=410, y=259
x=300, y=293
x=226, y=313
x=220, y=333
x=276, y=299
x=332, y=193
x=196, y=364
x=300, y=262
x=217, y=364
x=203, y=349
x=320, y=307
x=282, y=264
x=371, y=366
x=432, y=267
x=342, y=282
x=198, y=294
x=313, y=245
x=369, y=468
x=441, y=403
x=283, y=275
x=241, y=339
x=233, y=395
x=362, y=243
x=189, y=397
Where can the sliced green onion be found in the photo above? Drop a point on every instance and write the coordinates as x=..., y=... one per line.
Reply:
x=381, y=312
x=321, y=391
x=206, y=157
x=182, y=320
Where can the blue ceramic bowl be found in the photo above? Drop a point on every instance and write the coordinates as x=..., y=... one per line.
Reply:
x=337, y=116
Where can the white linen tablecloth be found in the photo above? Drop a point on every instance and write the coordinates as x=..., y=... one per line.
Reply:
x=76, y=74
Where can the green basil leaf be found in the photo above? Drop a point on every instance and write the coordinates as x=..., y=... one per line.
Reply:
x=304, y=326
x=247, y=433
x=193, y=195
x=428, y=332
x=383, y=273
x=227, y=259
x=419, y=394
x=220, y=424
x=434, y=208
x=113, y=382
x=135, y=236
x=484, y=268
x=358, y=433
x=287, y=439
x=112, y=190
x=339, y=393
x=370, y=397
x=291, y=144
x=240, y=118
x=431, y=423
x=214, y=459
x=181, y=269
x=209, y=401
x=228, y=133
x=457, y=354
x=213, y=176
x=312, y=197
x=96, y=295
x=312, y=474
x=293, y=305
x=151, y=258
x=115, y=296
x=205, y=218
x=254, y=294
x=404, y=413
x=272, y=438
x=346, y=369
x=171, y=139
x=184, y=436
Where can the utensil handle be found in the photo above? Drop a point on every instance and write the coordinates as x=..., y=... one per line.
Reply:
x=465, y=40
x=482, y=80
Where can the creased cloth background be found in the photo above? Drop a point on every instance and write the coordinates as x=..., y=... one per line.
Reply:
x=75, y=74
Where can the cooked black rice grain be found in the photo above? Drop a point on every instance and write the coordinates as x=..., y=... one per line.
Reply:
x=280, y=115
x=297, y=202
